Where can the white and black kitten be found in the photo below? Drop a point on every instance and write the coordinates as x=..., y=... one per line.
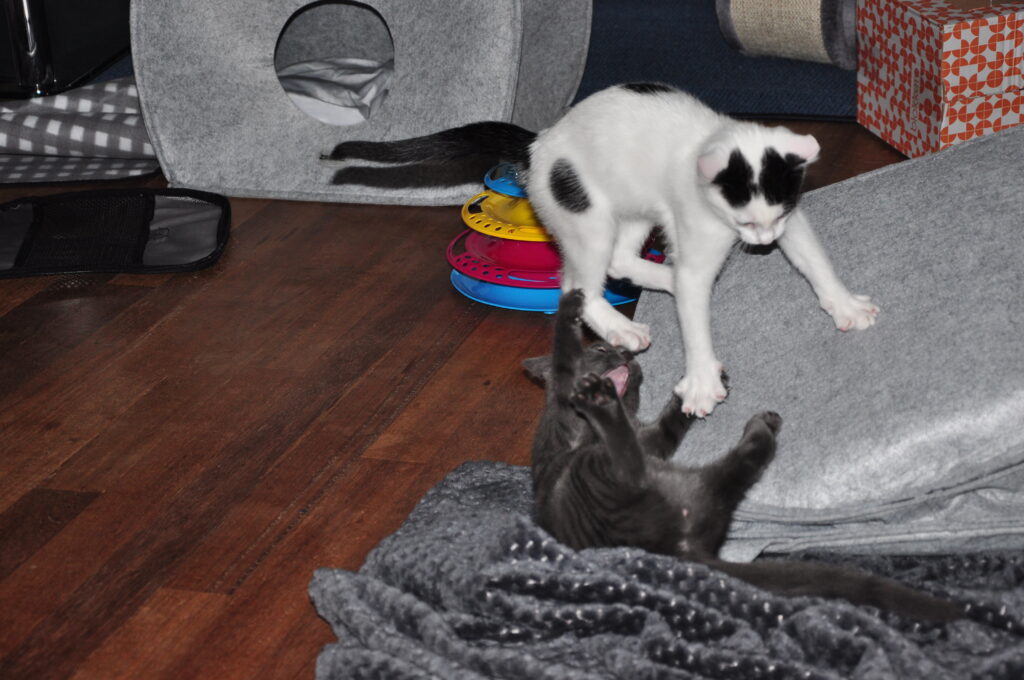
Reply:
x=601, y=479
x=634, y=156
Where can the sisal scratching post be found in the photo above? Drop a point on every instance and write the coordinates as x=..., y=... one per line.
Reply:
x=811, y=30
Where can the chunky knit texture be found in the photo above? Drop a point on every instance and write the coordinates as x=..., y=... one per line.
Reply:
x=470, y=587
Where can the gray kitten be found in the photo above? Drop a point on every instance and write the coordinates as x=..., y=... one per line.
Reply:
x=602, y=479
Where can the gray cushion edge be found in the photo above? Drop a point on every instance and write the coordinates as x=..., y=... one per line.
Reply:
x=1004, y=466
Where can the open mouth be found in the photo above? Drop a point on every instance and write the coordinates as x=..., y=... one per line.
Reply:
x=619, y=377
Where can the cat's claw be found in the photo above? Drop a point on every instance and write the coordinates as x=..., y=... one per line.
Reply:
x=851, y=311
x=701, y=391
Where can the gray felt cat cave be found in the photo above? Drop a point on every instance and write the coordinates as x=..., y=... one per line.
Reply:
x=242, y=96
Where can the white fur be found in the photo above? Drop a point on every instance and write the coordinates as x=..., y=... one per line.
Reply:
x=646, y=160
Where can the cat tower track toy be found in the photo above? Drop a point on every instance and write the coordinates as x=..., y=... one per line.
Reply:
x=506, y=258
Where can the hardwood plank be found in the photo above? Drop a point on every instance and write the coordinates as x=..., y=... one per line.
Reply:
x=141, y=280
x=311, y=469
x=14, y=292
x=170, y=619
x=195, y=493
x=475, y=390
x=33, y=520
x=39, y=331
x=165, y=339
x=270, y=618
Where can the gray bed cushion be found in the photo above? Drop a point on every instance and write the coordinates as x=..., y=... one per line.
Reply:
x=221, y=121
x=907, y=437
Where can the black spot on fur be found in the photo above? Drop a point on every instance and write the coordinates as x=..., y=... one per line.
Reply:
x=648, y=88
x=736, y=180
x=781, y=178
x=567, y=187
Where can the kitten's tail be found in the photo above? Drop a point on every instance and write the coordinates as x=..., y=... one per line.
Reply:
x=816, y=579
x=503, y=141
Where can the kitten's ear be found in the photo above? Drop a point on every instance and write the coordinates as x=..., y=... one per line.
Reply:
x=804, y=146
x=712, y=162
x=538, y=368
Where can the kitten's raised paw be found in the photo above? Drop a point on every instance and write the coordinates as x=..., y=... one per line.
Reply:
x=851, y=311
x=772, y=419
x=571, y=305
x=593, y=390
x=701, y=391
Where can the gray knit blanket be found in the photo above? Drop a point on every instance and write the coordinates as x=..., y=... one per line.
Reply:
x=470, y=587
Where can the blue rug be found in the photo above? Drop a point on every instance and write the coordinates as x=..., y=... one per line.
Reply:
x=678, y=42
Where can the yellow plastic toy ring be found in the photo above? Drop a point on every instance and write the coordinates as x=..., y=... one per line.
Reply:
x=502, y=216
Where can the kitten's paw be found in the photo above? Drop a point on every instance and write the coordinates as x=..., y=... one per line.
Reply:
x=570, y=306
x=771, y=419
x=594, y=391
x=851, y=311
x=702, y=390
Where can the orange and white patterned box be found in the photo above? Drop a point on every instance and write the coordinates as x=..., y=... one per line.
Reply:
x=933, y=73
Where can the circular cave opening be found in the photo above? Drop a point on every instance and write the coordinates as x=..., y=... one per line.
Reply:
x=335, y=60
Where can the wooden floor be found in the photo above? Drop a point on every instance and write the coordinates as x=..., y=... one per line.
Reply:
x=179, y=452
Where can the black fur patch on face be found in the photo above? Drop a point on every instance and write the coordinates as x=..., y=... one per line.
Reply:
x=567, y=187
x=781, y=178
x=648, y=88
x=736, y=180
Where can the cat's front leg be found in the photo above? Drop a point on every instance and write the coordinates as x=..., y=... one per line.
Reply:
x=662, y=437
x=849, y=311
x=597, y=400
x=701, y=259
x=586, y=242
x=801, y=246
x=568, y=345
x=702, y=388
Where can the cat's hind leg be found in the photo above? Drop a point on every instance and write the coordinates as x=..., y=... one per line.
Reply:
x=728, y=479
x=731, y=477
x=584, y=225
x=627, y=262
x=586, y=242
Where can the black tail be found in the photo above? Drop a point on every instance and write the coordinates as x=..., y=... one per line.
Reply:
x=816, y=579
x=503, y=141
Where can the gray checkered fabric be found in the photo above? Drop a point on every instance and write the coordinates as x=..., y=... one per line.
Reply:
x=92, y=132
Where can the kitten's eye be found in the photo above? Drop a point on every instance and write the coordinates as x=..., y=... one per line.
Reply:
x=748, y=225
x=601, y=348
